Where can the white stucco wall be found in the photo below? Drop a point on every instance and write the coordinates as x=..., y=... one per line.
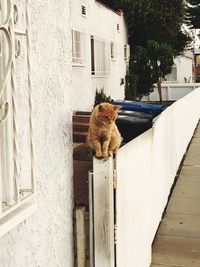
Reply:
x=45, y=239
x=100, y=22
x=184, y=68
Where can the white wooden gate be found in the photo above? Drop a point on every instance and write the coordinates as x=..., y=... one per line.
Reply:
x=102, y=221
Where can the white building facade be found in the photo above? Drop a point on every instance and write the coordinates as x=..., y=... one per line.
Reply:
x=182, y=71
x=100, y=52
x=36, y=200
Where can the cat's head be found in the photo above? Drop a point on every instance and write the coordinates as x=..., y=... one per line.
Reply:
x=106, y=113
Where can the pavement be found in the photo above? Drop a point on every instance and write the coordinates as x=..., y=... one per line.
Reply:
x=177, y=242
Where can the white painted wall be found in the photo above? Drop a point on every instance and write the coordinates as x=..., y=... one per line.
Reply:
x=100, y=22
x=146, y=169
x=184, y=65
x=184, y=69
x=45, y=239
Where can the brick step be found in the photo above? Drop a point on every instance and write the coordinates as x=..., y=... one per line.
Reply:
x=80, y=126
x=79, y=137
x=81, y=118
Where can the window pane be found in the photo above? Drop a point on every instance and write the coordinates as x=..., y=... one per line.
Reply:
x=78, y=47
x=100, y=55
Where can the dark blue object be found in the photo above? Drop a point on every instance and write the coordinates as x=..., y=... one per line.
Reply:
x=153, y=109
x=132, y=125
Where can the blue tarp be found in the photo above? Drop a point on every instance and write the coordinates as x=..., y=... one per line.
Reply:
x=154, y=109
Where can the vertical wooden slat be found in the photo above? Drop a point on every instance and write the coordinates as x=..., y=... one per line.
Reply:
x=80, y=236
x=103, y=208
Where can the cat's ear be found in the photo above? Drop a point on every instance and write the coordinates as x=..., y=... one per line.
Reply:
x=101, y=108
x=116, y=107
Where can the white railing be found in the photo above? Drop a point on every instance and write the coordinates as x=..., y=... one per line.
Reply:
x=172, y=91
x=145, y=171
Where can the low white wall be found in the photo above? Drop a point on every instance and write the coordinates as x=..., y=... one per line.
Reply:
x=146, y=168
x=172, y=91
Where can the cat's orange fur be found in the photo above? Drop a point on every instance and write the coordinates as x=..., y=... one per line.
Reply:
x=103, y=135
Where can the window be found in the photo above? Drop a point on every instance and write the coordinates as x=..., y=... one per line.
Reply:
x=113, y=50
x=17, y=186
x=100, y=57
x=126, y=52
x=78, y=47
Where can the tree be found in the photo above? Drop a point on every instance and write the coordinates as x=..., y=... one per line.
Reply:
x=159, y=21
x=151, y=64
x=193, y=14
x=131, y=82
x=156, y=20
x=161, y=60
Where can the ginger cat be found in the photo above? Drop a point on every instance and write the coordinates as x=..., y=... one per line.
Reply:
x=103, y=135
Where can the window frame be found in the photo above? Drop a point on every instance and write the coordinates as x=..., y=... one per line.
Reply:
x=113, y=50
x=78, y=48
x=126, y=52
x=100, y=60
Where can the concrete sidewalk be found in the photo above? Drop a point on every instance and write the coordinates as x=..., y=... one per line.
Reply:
x=177, y=243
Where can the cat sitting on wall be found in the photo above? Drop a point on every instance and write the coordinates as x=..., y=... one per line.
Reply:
x=103, y=135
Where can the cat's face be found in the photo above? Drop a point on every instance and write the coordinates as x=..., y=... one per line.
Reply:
x=106, y=113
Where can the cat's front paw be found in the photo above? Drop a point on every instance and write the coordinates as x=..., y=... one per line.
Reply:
x=105, y=155
x=98, y=154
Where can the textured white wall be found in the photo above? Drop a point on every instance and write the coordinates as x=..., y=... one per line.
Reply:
x=45, y=239
x=100, y=22
x=184, y=69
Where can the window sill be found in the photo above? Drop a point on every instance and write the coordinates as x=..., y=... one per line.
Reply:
x=17, y=216
x=100, y=76
x=78, y=65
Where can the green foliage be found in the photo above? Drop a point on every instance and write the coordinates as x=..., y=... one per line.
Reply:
x=100, y=97
x=140, y=67
x=131, y=85
x=193, y=14
x=156, y=20
x=151, y=64
x=161, y=22
x=160, y=59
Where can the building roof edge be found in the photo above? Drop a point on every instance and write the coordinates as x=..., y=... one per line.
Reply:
x=119, y=12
